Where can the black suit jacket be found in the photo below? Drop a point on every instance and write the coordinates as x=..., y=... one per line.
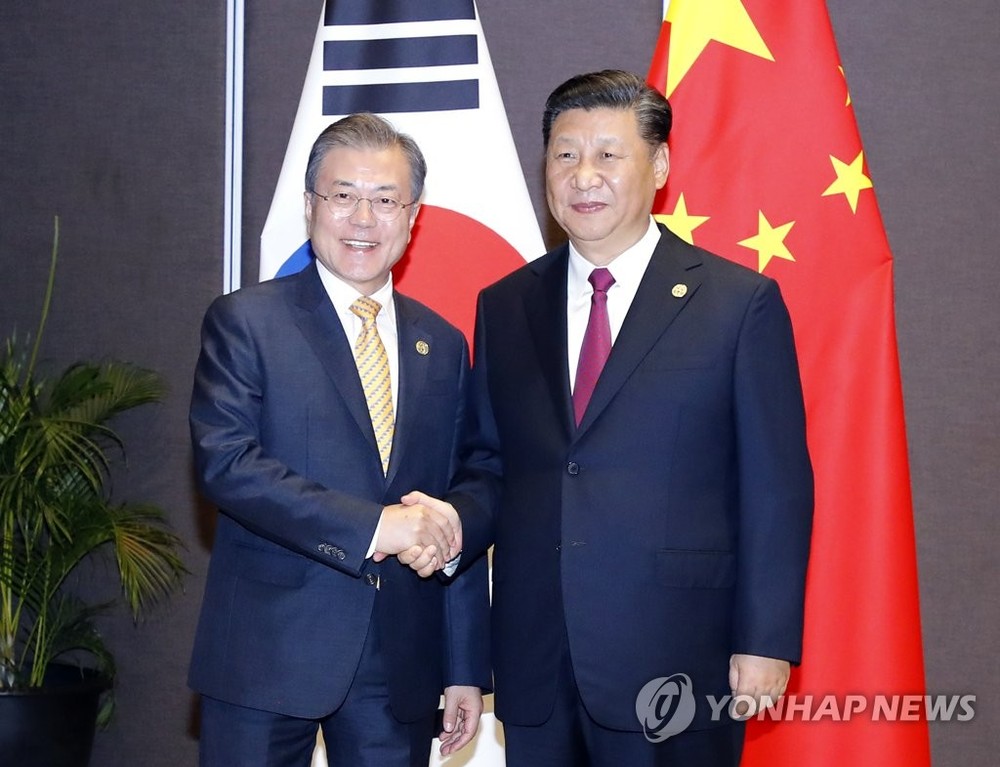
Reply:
x=284, y=445
x=668, y=531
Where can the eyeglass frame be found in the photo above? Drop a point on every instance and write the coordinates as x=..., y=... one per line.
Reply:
x=344, y=213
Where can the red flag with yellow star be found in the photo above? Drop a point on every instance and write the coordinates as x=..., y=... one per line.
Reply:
x=767, y=169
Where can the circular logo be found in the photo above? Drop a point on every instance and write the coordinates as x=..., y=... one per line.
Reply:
x=665, y=706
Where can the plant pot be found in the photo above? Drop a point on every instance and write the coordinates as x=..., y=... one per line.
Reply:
x=52, y=725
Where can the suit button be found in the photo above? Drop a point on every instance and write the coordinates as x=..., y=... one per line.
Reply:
x=372, y=580
x=341, y=554
x=573, y=468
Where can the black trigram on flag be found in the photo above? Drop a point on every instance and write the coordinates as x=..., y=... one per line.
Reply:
x=399, y=50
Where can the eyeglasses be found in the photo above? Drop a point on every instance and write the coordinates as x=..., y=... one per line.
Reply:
x=343, y=205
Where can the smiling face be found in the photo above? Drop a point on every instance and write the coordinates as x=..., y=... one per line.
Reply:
x=360, y=249
x=601, y=178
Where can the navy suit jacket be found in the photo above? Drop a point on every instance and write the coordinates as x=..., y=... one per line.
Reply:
x=668, y=531
x=284, y=445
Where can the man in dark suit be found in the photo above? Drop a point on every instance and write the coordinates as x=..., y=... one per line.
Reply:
x=651, y=514
x=319, y=400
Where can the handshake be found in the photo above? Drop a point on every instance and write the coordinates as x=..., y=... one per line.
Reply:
x=421, y=531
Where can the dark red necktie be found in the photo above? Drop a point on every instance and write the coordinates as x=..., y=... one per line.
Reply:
x=596, y=342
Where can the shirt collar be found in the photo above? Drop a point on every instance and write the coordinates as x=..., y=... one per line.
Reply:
x=627, y=268
x=343, y=295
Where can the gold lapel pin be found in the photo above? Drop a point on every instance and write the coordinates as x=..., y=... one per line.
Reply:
x=679, y=290
x=423, y=348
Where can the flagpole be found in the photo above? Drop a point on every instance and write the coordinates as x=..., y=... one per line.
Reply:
x=233, y=213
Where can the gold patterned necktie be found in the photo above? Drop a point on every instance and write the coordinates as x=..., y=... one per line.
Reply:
x=373, y=368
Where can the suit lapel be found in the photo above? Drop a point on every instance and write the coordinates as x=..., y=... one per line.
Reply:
x=416, y=355
x=318, y=322
x=545, y=306
x=653, y=309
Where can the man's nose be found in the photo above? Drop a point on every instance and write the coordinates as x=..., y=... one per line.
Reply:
x=586, y=176
x=364, y=214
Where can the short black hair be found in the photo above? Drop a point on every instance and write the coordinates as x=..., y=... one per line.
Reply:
x=612, y=89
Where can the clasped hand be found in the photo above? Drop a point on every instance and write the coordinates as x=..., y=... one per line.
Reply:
x=421, y=531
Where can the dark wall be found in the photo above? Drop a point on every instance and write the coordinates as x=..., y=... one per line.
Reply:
x=114, y=119
x=112, y=116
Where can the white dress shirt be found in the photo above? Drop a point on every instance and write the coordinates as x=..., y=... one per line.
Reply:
x=627, y=269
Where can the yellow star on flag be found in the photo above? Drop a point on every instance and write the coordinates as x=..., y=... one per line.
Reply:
x=769, y=242
x=696, y=23
x=851, y=179
x=680, y=222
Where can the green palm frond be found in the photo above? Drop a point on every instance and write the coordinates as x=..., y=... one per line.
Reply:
x=71, y=623
x=90, y=395
x=146, y=551
x=56, y=511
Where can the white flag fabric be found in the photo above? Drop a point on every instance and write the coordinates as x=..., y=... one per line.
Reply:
x=425, y=67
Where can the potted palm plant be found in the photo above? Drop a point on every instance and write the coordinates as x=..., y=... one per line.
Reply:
x=55, y=514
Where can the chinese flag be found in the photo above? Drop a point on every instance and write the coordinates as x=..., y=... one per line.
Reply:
x=767, y=169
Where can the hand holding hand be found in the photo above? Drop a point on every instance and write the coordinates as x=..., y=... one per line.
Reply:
x=416, y=498
x=422, y=531
x=425, y=561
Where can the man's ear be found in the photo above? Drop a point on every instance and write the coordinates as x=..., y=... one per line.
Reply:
x=414, y=209
x=661, y=165
x=308, y=197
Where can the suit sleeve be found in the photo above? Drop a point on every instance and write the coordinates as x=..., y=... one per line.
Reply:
x=466, y=597
x=467, y=627
x=775, y=481
x=257, y=489
x=475, y=492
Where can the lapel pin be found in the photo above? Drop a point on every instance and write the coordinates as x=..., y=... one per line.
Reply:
x=423, y=349
x=679, y=290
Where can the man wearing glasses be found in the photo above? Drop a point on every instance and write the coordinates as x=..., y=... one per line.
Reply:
x=319, y=400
